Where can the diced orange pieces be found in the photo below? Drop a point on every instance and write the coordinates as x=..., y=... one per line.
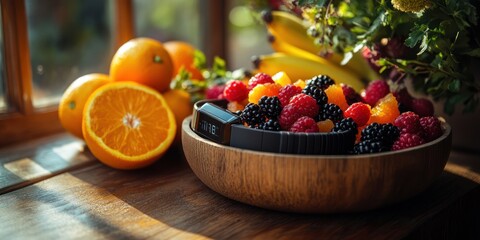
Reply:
x=386, y=110
x=335, y=95
x=269, y=89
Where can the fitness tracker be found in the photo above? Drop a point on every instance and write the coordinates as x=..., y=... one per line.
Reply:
x=211, y=120
x=214, y=122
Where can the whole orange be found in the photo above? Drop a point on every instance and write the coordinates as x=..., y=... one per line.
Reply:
x=183, y=55
x=181, y=106
x=70, y=108
x=145, y=61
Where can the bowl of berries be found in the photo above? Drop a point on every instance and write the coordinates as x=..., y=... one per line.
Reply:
x=394, y=154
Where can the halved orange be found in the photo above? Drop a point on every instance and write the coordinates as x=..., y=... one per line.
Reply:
x=127, y=125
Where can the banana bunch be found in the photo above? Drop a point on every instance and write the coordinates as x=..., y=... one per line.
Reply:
x=298, y=55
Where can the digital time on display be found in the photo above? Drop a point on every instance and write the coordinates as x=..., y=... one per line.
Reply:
x=209, y=127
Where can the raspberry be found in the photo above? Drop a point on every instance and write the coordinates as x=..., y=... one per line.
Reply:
x=330, y=111
x=288, y=116
x=252, y=115
x=270, y=124
x=270, y=106
x=432, y=128
x=396, y=48
x=369, y=146
x=335, y=95
x=259, y=78
x=288, y=92
x=304, y=124
x=407, y=140
x=215, y=92
x=423, y=107
x=268, y=89
x=305, y=104
x=350, y=94
x=346, y=124
x=408, y=122
x=372, y=57
x=235, y=90
x=359, y=112
x=320, y=81
x=318, y=94
x=404, y=99
x=375, y=91
x=384, y=133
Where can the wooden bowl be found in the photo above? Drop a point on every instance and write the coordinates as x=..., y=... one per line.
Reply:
x=315, y=183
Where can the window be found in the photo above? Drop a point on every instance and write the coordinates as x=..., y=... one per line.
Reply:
x=67, y=39
x=167, y=20
x=3, y=104
x=247, y=36
x=46, y=44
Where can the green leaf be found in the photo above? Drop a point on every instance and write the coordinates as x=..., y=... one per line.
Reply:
x=311, y=2
x=473, y=53
x=424, y=44
x=452, y=101
x=470, y=105
x=416, y=35
x=219, y=67
x=454, y=85
x=199, y=59
x=346, y=58
x=375, y=25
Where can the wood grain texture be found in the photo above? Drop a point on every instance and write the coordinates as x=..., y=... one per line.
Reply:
x=39, y=159
x=315, y=183
x=168, y=201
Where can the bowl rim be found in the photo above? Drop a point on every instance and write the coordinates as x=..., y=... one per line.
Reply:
x=447, y=130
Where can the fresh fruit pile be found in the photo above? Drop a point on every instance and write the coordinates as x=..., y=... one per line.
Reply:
x=383, y=120
x=130, y=117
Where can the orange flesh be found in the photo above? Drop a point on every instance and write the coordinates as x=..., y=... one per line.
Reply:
x=132, y=128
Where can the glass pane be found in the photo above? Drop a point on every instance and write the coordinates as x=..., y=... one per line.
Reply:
x=167, y=20
x=3, y=104
x=67, y=39
x=247, y=36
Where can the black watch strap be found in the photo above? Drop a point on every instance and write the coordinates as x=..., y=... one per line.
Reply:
x=291, y=142
x=232, y=132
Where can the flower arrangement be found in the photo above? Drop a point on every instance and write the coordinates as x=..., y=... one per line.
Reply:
x=434, y=44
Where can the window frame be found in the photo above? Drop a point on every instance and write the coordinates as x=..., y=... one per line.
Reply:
x=22, y=121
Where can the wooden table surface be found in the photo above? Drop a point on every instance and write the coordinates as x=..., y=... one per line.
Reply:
x=53, y=188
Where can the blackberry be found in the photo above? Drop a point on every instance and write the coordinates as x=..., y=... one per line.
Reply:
x=252, y=115
x=369, y=146
x=321, y=81
x=330, y=111
x=346, y=124
x=270, y=106
x=270, y=124
x=387, y=133
x=318, y=94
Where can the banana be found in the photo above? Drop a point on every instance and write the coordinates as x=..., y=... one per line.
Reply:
x=288, y=29
x=291, y=29
x=303, y=68
x=279, y=45
x=360, y=65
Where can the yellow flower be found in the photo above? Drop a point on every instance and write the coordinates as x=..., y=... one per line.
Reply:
x=411, y=5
